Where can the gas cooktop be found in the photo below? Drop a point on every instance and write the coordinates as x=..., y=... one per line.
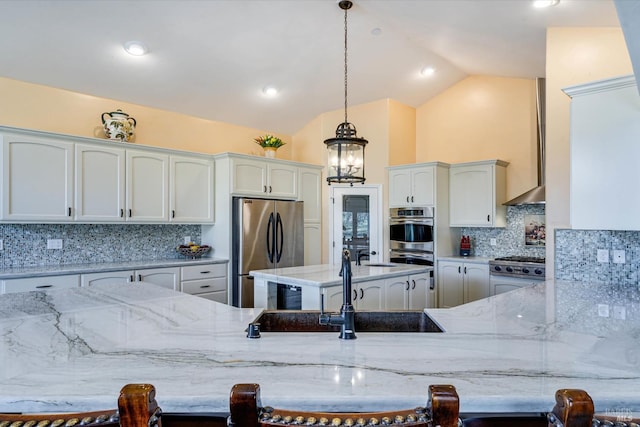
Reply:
x=518, y=266
x=522, y=259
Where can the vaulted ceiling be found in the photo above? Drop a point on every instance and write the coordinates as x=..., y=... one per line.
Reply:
x=213, y=58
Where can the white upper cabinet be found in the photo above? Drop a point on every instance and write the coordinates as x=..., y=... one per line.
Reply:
x=409, y=186
x=604, y=133
x=263, y=178
x=100, y=183
x=311, y=193
x=147, y=180
x=191, y=189
x=477, y=191
x=37, y=178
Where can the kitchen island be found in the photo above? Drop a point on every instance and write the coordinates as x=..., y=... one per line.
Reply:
x=73, y=349
x=376, y=286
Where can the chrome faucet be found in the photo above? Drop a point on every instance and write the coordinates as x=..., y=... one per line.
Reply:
x=346, y=318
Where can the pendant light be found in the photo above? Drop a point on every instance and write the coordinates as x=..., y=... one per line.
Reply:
x=346, y=150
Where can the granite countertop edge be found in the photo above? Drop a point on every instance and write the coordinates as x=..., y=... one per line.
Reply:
x=71, y=269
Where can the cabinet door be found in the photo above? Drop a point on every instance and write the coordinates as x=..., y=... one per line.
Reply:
x=312, y=244
x=370, y=295
x=100, y=183
x=476, y=278
x=399, y=188
x=450, y=284
x=396, y=293
x=471, y=197
x=191, y=190
x=418, y=286
x=332, y=298
x=282, y=181
x=125, y=276
x=147, y=186
x=165, y=277
x=37, y=179
x=248, y=177
x=311, y=193
x=41, y=283
x=422, y=185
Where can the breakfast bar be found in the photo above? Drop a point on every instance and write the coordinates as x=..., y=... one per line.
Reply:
x=73, y=349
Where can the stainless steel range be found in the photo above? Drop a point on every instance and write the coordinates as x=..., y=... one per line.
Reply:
x=513, y=272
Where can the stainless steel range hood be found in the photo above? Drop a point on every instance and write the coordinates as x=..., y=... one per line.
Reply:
x=536, y=195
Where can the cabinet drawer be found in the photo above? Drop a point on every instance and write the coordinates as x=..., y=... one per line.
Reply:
x=195, y=287
x=41, y=283
x=194, y=272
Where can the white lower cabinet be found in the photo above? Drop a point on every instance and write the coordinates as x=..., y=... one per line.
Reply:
x=167, y=277
x=40, y=283
x=462, y=282
x=364, y=296
x=407, y=293
x=206, y=281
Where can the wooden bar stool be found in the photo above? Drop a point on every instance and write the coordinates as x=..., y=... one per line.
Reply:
x=246, y=410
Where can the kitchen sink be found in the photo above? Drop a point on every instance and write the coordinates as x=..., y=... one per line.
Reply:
x=365, y=321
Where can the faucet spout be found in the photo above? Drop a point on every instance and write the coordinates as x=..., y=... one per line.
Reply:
x=346, y=318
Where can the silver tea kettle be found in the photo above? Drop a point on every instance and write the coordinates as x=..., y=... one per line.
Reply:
x=118, y=125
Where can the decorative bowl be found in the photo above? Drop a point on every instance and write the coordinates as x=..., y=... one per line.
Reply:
x=193, y=251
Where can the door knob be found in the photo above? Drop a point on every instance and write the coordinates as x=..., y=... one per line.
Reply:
x=373, y=253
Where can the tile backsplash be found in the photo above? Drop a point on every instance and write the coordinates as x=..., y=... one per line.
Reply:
x=509, y=240
x=25, y=245
x=577, y=251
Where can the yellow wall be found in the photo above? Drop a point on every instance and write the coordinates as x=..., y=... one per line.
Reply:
x=402, y=134
x=483, y=118
x=574, y=56
x=45, y=108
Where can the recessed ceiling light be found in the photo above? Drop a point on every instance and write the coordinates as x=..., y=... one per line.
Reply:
x=135, y=48
x=376, y=31
x=427, y=71
x=544, y=3
x=270, y=91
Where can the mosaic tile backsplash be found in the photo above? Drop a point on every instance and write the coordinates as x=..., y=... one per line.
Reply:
x=577, y=251
x=25, y=245
x=509, y=240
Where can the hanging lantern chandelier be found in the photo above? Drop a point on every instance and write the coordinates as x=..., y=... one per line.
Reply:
x=346, y=150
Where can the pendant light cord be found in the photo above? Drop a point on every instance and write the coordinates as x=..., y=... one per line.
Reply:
x=345, y=66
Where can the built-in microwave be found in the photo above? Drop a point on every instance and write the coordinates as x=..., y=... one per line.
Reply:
x=411, y=229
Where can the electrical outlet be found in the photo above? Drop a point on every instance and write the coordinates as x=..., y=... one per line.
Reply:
x=619, y=312
x=618, y=257
x=1, y=245
x=603, y=255
x=493, y=242
x=603, y=310
x=187, y=240
x=54, y=243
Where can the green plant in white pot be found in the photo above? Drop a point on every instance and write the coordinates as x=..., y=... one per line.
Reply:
x=269, y=144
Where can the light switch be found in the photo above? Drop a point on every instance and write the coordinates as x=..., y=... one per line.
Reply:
x=54, y=243
x=603, y=255
x=618, y=257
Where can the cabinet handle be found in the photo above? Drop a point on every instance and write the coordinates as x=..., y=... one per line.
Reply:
x=205, y=286
x=43, y=286
x=459, y=269
x=121, y=213
x=355, y=294
x=173, y=213
x=465, y=270
x=139, y=277
x=361, y=293
x=414, y=284
x=205, y=272
x=131, y=279
x=270, y=189
x=130, y=213
x=69, y=212
x=411, y=199
x=264, y=188
x=488, y=218
x=407, y=286
x=407, y=199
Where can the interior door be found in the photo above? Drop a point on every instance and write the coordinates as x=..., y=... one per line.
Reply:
x=356, y=223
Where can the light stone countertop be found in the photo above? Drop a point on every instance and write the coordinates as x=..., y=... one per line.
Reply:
x=73, y=349
x=325, y=275
x=65, y=269
x=471, y=259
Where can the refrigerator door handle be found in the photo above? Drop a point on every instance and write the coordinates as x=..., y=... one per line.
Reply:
x=270, y=231
x=279, y=239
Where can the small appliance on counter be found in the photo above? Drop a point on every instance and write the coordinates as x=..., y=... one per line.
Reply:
x=465, y=246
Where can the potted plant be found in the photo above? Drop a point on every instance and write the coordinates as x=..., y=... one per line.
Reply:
x=269, y=144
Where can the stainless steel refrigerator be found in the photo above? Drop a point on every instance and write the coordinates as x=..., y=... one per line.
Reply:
x=266, y=234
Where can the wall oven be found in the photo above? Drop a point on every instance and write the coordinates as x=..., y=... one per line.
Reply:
x=411, y=235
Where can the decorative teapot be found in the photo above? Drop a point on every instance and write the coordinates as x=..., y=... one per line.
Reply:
x=118, y=125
